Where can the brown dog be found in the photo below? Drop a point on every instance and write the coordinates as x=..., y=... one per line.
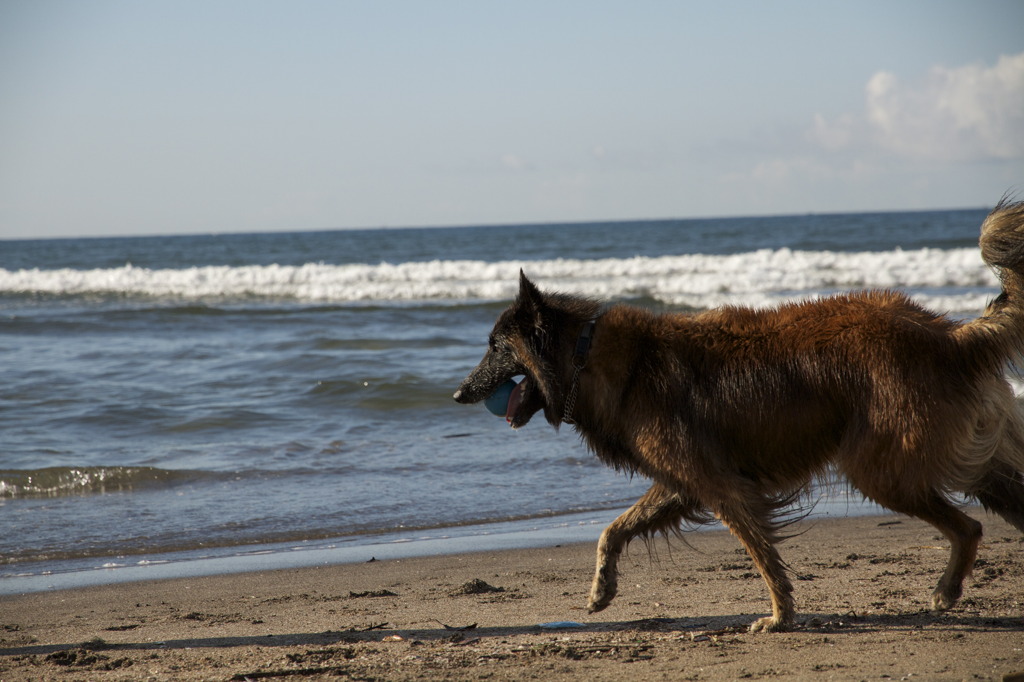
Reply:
x=733, y=412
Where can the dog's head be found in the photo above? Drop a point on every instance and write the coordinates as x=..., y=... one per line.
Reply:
x=534, y=337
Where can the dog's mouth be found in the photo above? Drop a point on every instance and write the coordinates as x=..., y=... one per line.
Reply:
x=524, y=402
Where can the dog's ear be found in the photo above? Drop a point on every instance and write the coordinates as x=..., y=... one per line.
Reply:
x=530, y=301
x=528, y=291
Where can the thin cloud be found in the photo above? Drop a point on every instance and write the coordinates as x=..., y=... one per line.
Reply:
x=973, y=112
x=515, y=162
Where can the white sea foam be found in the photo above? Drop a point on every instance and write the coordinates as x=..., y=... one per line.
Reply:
x=953, y=279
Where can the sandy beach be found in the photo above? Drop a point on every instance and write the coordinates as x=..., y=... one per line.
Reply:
x=862, y=587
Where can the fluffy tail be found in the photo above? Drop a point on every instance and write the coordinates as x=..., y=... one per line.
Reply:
x=998, y=335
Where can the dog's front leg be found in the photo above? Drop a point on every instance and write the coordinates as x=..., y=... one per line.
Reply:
x=606, y=582
x=658, y=509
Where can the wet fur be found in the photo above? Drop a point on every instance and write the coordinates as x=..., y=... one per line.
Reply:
x=733, y=412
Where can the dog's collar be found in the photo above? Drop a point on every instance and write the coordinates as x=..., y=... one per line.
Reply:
x=579, y=361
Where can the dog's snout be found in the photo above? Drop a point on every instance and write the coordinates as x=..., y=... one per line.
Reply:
x=464, y=394
x=468, y=393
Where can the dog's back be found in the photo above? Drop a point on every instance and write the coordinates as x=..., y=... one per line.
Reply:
x=869, y=381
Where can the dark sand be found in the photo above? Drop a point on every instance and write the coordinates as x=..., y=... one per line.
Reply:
x=863, y=588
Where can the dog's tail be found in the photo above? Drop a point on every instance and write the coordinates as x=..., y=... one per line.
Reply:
x=997, y=337
x=994, y=454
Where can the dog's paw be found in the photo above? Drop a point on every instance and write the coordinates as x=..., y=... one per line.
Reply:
x=601, y=596
x=601, y=593
x=770, y=624
x=599, y=601
x=942, y=602
x=945, y=596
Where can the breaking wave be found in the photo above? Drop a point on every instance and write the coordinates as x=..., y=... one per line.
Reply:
x=946, y=279
x=63, y=481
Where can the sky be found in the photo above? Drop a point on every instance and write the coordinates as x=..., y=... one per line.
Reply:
x=199, y=116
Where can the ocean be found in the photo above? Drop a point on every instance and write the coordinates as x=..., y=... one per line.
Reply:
x=222, y=402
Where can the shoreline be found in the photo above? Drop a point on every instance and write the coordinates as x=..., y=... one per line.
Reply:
x=95, y=571
x=862, y=587
x=506, y=535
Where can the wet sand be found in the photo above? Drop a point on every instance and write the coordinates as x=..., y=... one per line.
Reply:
x=862, y=587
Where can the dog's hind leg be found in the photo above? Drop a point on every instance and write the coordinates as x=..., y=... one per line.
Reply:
x=963, y=533
x=754, y=528
x=658, y=510
x=1001, y=490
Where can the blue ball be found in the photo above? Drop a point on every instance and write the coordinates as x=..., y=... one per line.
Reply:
x=497, y=403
